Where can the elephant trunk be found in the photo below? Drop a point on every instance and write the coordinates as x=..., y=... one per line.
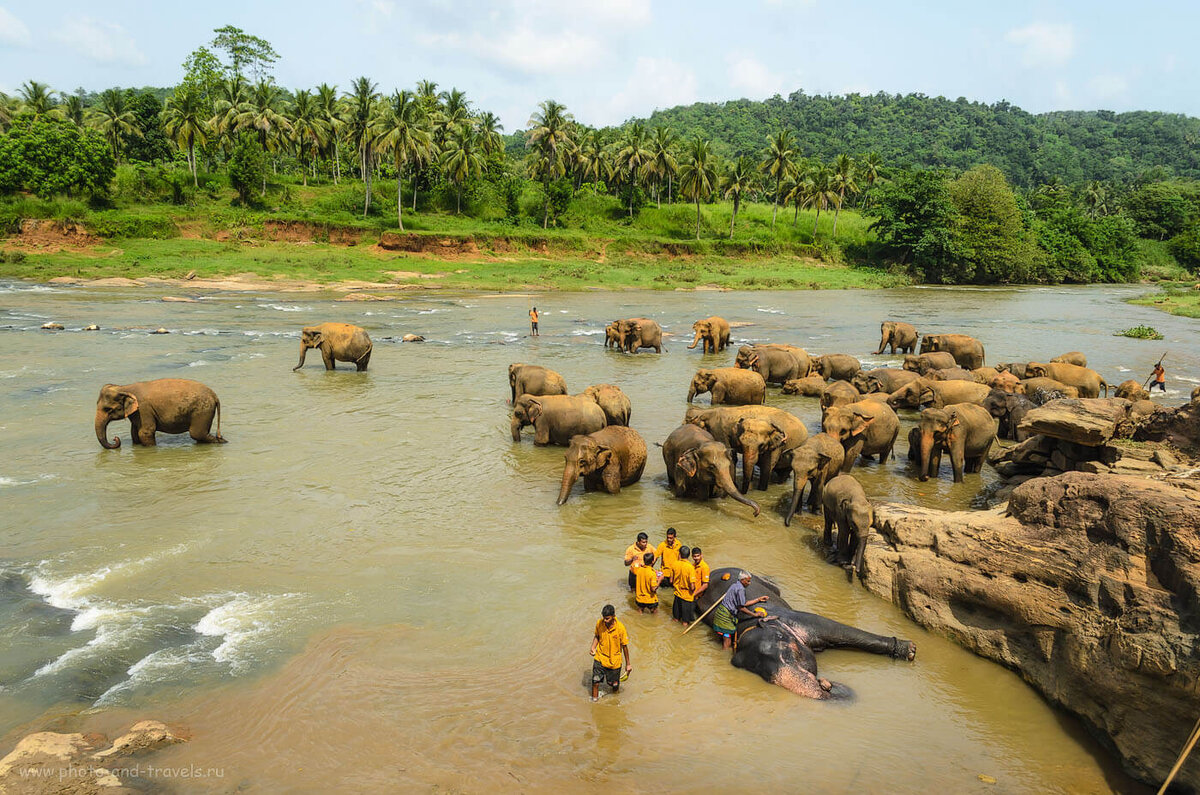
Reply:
x=303, y=352
x=695, y=341
x=749, y=461
x=570, y=475
x=691, y=393
x=797, y=493
x=727, y=484
x=883, y=341
x=516, y=428
x=926, y=453
x=102, y=421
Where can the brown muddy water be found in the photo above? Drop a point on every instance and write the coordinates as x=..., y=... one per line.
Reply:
x=371, y=586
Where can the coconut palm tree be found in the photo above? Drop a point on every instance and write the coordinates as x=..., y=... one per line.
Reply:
x=779, y=163
x=72, y=109
x=263, y=112
x=331, y=114
x=184, y=123
x=8, y=110
x=821, y=193
x=231, y=98
x=632, y=158
x=454, y=112
x=309, y=129
x=549, y=136
x=869, y=166
x=737, y=180
x=662, y=161
x=428, y=94
x=113, y=119
x=37, y=100
x=462, y=159
x=843, y=179
x=359, y=126
x=591, y=159
x=1096, y=199
x=489, y=127
x=698, y=174
x=400, y=131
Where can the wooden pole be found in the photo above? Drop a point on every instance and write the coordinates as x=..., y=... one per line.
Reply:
x=1182, y=757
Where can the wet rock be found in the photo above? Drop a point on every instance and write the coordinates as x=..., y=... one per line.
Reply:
x=92, y=327
x=160, y=330
x=1086, y=421
x=147, y=735
x=176, y=299
x=52, y=326
x=190, y=275
x=1089, y=587
x=412, y=338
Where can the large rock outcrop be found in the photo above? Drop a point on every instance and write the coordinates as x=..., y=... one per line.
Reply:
x=1089, y=586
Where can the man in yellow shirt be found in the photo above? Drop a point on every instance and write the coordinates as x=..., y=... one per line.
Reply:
x=668, y=553
x=683, y=576
x=611, y=641
x=633, y=556
x=646, y=592
x=702, y=571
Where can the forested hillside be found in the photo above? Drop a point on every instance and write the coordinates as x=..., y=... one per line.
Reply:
x=919, y=131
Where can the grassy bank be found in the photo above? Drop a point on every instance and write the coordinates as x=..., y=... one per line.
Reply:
x=1183, y=300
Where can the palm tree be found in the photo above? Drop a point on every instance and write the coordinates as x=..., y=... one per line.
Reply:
x=869, y=166
x=231, y=98
x=662, y=161
x=633, y=156
x=309, y=129
x=490, y=127
x=428, y=94
x=331, y=113
x=263, y=113
x=72, y=109
x=113, y=119
x=454, y=112
x=843, y=180
x=591, y=159
x=183, y=121
x=1096, y=199
x=361, y=102
x=548, y=135
x=461, y=159
x=698, y=174
x=37, y=100
x=399, y=131
x=8, y=110
x=779, y=163
x=735, y=182
x=821, y=193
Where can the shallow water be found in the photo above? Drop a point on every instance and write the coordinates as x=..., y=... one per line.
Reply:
x=372, y=585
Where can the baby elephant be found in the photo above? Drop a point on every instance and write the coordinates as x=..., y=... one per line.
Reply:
x=845, y=504
x=817, y=461
x=608, y=459
x=170, y=405
x=338, y=342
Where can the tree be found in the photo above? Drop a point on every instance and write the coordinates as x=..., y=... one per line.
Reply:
x=37, y=100
x=870, y=166
x=819, y=192
x=698, y=175
x=548, y=136
x=462, y=159
x=633, y=158
x=184, y=121
x=72, y=109
x=113, y=119
x=246, y=52
x=247, y=167
x=360, y=118
x=662, y=160
x=49, y=156
x=263, y=113
x=400, y=132
x=9, y=107
x=149, y=144
x=843, y=180
x=989, y=234
x=309, y=129
x=490, y=128
x=1096, y=199
x=331, y=112
x=453, y=113
x=737, y=180
x=779, y=163
x=229, y=104
x=591, y=159
x=1185, y=247
x=916, y=220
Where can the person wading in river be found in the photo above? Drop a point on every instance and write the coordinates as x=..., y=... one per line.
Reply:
x=702, y=571
x=668, y=553
x=609, y=643
x=633, y=557
x=1160, y=378
x=733, y=605
x=533, y=321
x=683, y=576
x=645, y=594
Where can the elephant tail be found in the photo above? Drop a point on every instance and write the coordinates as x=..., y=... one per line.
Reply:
x=1104, y=384
x=220, y=438
x=366, y=353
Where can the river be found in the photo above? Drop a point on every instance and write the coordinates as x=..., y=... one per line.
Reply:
x=371, y=585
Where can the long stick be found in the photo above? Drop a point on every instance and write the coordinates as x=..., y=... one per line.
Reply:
x=702, y=615
x=1183, y=756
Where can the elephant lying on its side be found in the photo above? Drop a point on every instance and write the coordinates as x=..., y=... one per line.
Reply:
x=533, y=379
x=882, y=379
x=808, y=386
x=1043, y=390
x=338, y=342
x=556, y=418
x=897, y=335
x=608, y=459
x=939, y=394
x=170, y=405
x=780, y=646
x=924, y=362
x=1072, y=357
x=1086, y=380
x=698, y=465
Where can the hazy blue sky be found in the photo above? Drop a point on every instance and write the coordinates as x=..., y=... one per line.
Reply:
x=608, y=60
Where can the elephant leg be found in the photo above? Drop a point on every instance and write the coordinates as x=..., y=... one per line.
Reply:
x=327, y=357
x=828, y=537
x=144, y=433
x=823, y=633
x=843, y=538
x=816, y=492
x=362, y=363
x=201, y=429
x=610, y=478
x=957, y=460
x=852, y=453
x=541, y=433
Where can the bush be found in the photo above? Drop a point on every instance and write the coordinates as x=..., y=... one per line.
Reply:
x=50, y=157
x=1185, y=247
x=1140, y=332
x=248, y=170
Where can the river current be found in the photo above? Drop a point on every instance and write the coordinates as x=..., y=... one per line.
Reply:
x=371, y=585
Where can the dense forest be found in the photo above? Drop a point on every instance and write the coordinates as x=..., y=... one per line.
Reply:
x=951, y=192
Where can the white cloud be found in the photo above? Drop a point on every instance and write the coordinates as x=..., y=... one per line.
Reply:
x=1043, y=43
x=102, y=42
x=525, y=50
x=752, y=76
x=13, y=32
x=1108, y=86
x=654, y=83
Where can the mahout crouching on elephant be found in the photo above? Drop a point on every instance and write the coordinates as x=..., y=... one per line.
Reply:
x=698, y=465
x=607, y=459
x=169, y=405
x=781, y=645
x=338, y=342
x=556, y=418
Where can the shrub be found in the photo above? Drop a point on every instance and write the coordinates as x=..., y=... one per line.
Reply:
x=247, y=169
x=1141, y=333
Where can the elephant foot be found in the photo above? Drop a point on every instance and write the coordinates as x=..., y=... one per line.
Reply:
x=825, y=684
x=904, y=650
x=831, y=555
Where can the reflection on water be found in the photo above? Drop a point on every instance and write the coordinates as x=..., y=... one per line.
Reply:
x=371, y=584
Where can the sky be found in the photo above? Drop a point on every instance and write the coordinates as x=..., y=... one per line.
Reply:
x=610, y=60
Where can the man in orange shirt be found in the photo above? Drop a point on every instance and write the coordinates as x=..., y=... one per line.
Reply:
x=533, y=321
x=702, y=571
x=668, y=553
x=610, y=642
x=683, y=577
x=633, y=556
x=645, y=594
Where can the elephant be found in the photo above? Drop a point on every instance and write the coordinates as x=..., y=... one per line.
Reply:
x=816, y=461
x=640, y=332
x=170, y=405
x=1016, y=368
x=1071, y=357
x=1009, y=409
x=836, y=366
x=839, y=393
x=612, y=401
x=780, y=646
x=612, y=335
x=924, y=362
x=952, y=374
x=939, y=394
x=607, y=459
x=777, y=364
x=964, y=430
x=1132, y=390
x=697, y=465
x=1085, y=379
x=1007, y=382
x=1195, y=394
x=729, y=385
x=715, y=333
x=897, y=335
x=808, y=386
x=750, y=432
x=967, y=351
x=865, y=428
x=882, y=379
x=1042, y=390
x=533, y=379
x=338, y=342
x=985, y=375
x=845, y=504
x=556, y=418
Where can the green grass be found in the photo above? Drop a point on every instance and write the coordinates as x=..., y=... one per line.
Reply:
x=1176, y=299
x=1141, y=333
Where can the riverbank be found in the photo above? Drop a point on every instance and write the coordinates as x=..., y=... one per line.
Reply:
x=1178, y=299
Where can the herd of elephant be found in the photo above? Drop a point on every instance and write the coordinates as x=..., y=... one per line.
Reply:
x=964, y=406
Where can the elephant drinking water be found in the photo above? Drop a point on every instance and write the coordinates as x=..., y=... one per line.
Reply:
x=170, y=405
x=698, y=465
x=338, y=342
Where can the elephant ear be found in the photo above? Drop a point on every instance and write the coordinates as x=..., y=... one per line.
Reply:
x=822, y=460
x=926, y=395
x=129, y=403
x=687, y=463
x=779, y=433
x=604, y=457
x=533, y=410
x=865, y=422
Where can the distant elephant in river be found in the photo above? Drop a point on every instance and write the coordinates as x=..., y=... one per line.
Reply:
x=845, y=504
x=808, y=386
x=817, y=461
x=762, y=435
x=836, y=366
x=1016, y=368
x=939, y=394
x=897, y=335
x=1009, y=408
x=338, y=342
x=607, y=459
x=924, y=362
x=612, y=336
x=612, y=401
x=640, y=332
x=1132, y=390
x=715, y=333
x=533, y=379
x=698, y=465
x=865, y=428
x=1072, y=357
x=953, y=374
x=729, y=385
x=882, y=379
x=780, y=646
x=1042, y=390
x=1086, y=380
x=169, y=405
x=555, y=418
x=967, y=351
x=964, y=430
x=839, y=393
x=776, y=363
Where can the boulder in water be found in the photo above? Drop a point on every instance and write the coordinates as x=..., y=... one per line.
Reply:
x=52, y=326
x=412, y=338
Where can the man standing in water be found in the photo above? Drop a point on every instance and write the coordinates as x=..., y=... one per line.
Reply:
x=608, y=645
x=1160, y=378
x=683, y=576
x=733, y=605
x=702, y=571
x=668, y=553
x=633, y=557
x=646, y=592
x=533, y=321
